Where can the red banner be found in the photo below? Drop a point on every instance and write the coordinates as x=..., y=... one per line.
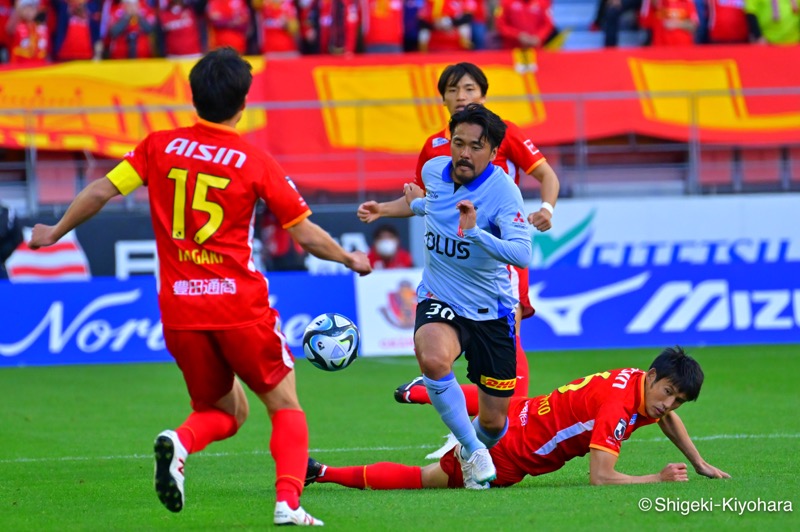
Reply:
x=329, y=119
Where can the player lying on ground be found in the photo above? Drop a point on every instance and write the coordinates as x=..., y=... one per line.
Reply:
x=592, y=415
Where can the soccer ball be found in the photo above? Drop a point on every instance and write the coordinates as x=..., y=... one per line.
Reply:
x=331, y=341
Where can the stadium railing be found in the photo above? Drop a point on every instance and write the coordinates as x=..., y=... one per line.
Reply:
x=39, y=180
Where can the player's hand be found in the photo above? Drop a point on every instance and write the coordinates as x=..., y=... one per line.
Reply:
x=42, y=236
x=412, y=191
x=674, y=473
x=369, y=211
x=468, y=217
x=707, y=470
x=358, y=262
x=541, y=220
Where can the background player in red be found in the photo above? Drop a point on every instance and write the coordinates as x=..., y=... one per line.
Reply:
x=462, y=84
x=204, y=182
x=592, y=415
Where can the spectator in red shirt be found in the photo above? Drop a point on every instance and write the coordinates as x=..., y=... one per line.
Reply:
x=77, y=34
x=383, y=26
x=280, y=27
x=28, y=34
x=386, y=252
x=6, y=7
x=308, y=17
x=477, y=10
x=229, y=21
x=525, y=23
x=180, y=30
x=727, y=22
x=672, y=22
x=132, y=24
x=445, y=26
x=338, y=26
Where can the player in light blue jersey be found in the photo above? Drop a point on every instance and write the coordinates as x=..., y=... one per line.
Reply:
x=474, y=226
x=468, y=270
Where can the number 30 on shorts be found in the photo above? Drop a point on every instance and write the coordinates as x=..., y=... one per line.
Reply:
x=439, y=309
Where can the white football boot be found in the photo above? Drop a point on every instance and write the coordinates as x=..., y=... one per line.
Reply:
x=284, y=515
x=467, y=471
x=170, y=457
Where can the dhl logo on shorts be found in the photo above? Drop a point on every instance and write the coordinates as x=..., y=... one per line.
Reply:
x=497, y=384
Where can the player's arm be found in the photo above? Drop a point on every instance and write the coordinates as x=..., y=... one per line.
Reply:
x=369, y=211
x=550, y=186
x=513, y=248
x=85, y=205
x=673, y=428
x=602, y=471
x=319, y=243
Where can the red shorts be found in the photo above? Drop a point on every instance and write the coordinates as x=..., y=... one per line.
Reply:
x=507, y=473
x=258, y=354
x=520, y=282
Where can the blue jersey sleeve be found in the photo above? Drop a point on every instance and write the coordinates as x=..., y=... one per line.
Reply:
x=516, y=250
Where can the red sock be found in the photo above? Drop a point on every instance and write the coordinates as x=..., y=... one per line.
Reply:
x=289, y=448
x=380, y=476
x=202, y=428
x=471, y=395
x=521, y=389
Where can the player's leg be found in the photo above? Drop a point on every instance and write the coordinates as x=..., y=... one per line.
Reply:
x=264, y=362
x=491, y=423
x=491, y=365
x=521, y=281
x=219, y=408
x=414, y=392
x=380, y=476
x=437, y=345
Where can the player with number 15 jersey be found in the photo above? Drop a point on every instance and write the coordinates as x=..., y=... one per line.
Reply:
x=204, y=182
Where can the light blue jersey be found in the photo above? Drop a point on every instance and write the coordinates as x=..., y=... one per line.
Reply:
x=469, y=273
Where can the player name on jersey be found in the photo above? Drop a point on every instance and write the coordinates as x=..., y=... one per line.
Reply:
x=200, y=256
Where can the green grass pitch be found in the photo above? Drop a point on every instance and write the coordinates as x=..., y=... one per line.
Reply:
x=77, y=441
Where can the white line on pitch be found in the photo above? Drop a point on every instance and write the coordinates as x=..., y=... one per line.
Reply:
x=372, y=449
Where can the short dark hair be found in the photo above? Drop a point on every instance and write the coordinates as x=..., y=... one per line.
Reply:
x=681, y=369
x=385, y=228
x=453, y=74
x=494, y=129
x=220, y=82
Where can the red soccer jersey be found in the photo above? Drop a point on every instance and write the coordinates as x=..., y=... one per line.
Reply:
x=384, y=23
x=339, y=22
x=78, y=39
x=6, y=7
x=658, y=14
x=516, y=153
x=204, y=182
x=30, y=44
x=534, y=17
x=727, y=22
x=181, y=31
x=599, y=411
x=279, y=24
x=229, y=20
x=121, y=46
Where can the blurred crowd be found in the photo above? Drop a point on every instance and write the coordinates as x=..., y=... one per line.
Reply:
x=35, y=31
x=687, y=22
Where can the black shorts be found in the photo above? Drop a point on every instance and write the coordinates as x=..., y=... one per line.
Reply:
x=490, y=346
